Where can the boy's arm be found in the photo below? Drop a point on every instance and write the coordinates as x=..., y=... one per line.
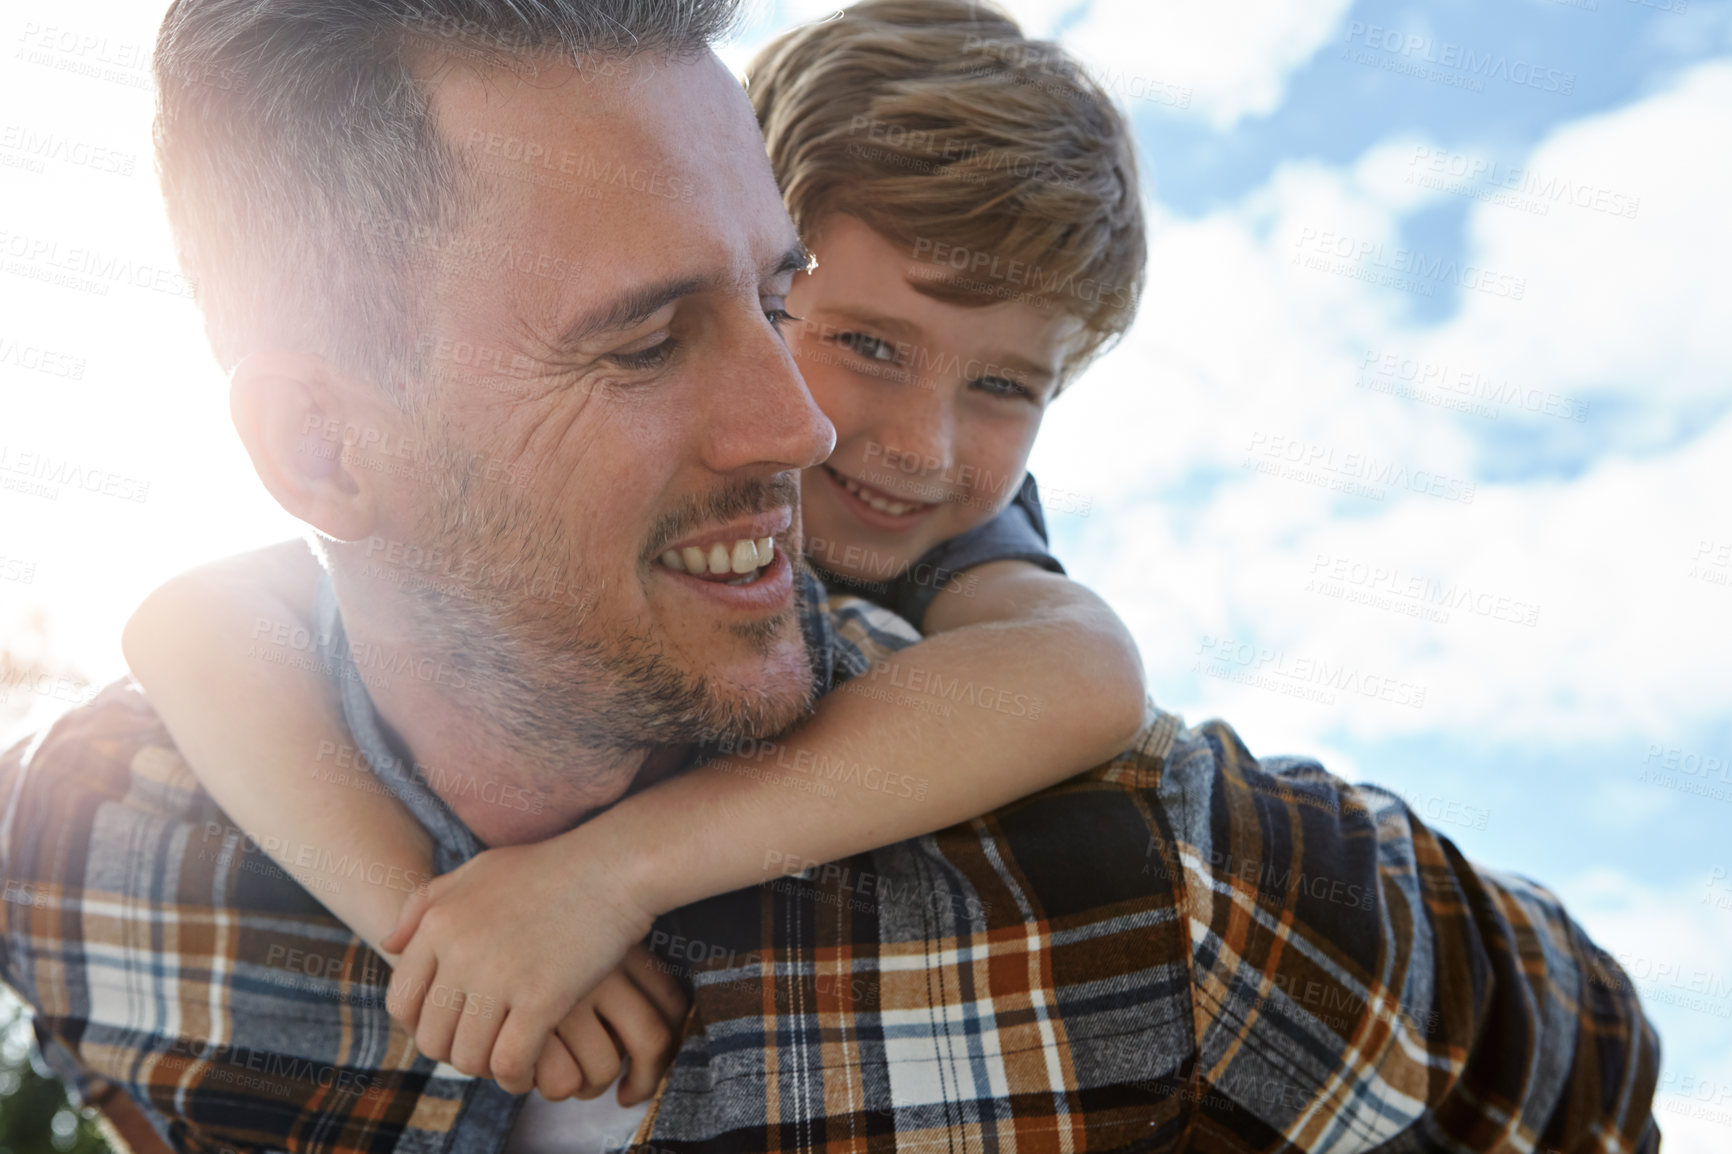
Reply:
x=1026, y=681
x=225, y=655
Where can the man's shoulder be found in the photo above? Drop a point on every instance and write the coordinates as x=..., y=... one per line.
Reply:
x=865, y=633
x=100, y=807
x=163, y=951
x=111, y=755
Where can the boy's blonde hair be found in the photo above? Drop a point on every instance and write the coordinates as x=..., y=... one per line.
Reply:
x=995, y=159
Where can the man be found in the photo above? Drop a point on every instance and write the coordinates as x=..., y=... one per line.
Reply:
x=465, y=224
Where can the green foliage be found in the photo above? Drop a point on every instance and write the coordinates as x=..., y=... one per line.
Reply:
x=36, y=1116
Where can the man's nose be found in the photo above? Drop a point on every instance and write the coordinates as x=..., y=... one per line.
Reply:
x=761, y=413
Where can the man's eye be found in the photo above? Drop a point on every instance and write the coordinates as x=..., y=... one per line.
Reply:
x=653, y=357
x=780, y=316
x=1001, y=387
x=872, y=348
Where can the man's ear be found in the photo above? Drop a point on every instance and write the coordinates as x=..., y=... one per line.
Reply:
x=292, y=411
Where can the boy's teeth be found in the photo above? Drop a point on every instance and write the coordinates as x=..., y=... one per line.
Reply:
x=894, y=508
x=745, y=556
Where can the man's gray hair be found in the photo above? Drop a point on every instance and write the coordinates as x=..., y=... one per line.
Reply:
x=302, y=171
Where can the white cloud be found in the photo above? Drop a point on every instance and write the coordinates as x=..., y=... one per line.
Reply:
x=1674, y=944
x=1234, y=58
x=1219, y=63
x=1237, y=344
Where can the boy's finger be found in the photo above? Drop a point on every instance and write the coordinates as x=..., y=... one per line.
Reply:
x=408, y=987
x=438, y=1025
x=556, y=1072
x=648, y=1039
x=650, y=974
x=472, y=1046
x=407, y=921
x=595, y=1050
x=517, y=1049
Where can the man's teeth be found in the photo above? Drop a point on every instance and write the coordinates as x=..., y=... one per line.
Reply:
x=746, y=556
x=882, y=504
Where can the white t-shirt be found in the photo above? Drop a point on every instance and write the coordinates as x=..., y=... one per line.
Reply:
x=573, y=1126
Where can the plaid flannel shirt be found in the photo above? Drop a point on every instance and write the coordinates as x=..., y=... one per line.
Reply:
x=1183, y=949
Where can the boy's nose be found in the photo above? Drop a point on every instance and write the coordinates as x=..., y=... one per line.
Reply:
x=919, y=439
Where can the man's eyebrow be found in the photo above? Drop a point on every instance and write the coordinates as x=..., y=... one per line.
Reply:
x=798, y=258
x=631, y=308
x=639, y=304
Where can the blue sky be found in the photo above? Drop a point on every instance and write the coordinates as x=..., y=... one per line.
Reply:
x=1253, y=472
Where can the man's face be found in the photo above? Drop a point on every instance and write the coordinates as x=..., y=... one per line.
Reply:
x=609, y=391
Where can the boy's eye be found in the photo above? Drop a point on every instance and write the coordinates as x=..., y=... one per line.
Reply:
x=1001, y=387
x=872, y=348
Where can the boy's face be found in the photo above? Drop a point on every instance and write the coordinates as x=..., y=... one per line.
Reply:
x=935, y=404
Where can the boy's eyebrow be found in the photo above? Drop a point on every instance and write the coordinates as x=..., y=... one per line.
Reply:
x=897, y=327
x=634, y=306
x=1026, y=367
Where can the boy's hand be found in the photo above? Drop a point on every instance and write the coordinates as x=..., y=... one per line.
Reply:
x=635, y=1014
x=497, y=952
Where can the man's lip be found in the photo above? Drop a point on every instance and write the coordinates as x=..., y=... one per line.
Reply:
x=874, y=518
x=771, y=524
x=771, y=592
